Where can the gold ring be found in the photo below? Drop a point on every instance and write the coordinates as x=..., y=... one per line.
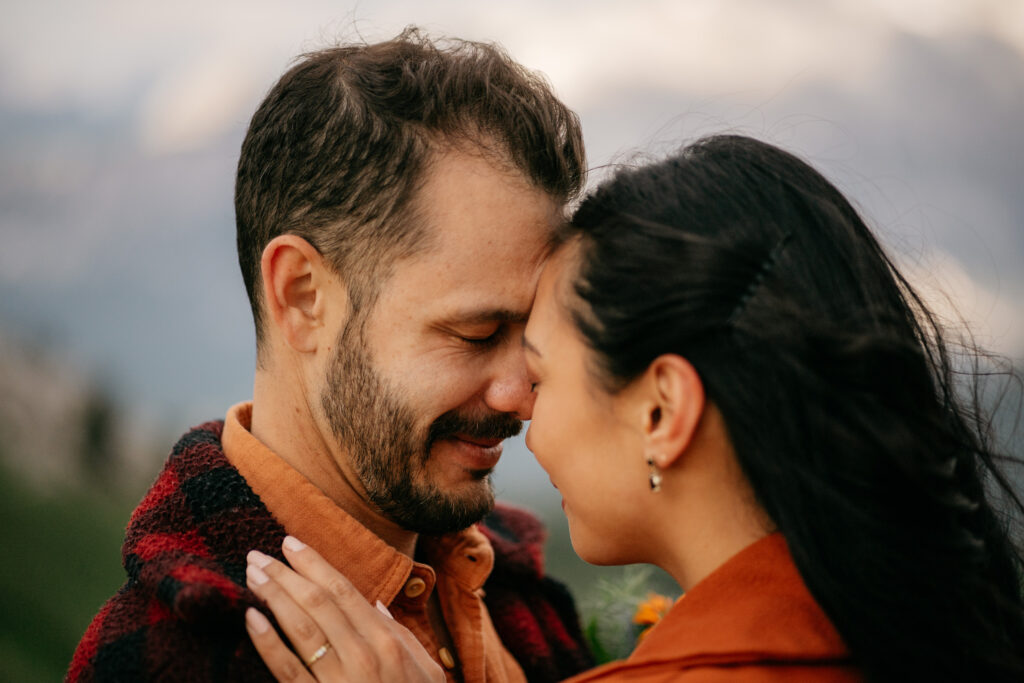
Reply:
x=321, y=651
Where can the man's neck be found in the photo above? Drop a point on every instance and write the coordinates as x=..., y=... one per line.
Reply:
x=286, y=426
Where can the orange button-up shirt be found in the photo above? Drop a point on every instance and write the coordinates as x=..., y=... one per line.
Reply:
x=751, y=620
x=459, y=563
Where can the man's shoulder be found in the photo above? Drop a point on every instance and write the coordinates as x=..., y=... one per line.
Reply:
x=179, y=614
x=138, y=638
x=200, y=511
x=198, y=519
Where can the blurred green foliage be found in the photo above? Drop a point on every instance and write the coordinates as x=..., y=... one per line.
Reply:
x=609, y=626
x=63, y=561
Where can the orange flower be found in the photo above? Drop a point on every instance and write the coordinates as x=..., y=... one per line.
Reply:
x=650, y=611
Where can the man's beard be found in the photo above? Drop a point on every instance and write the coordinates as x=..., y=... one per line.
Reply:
x=390, y=458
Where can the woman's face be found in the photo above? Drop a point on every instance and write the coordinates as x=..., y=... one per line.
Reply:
x=582, y=435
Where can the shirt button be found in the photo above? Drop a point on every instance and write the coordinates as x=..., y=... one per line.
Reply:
x=414, y=587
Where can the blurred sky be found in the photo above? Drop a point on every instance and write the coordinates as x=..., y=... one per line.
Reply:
x=120, y=124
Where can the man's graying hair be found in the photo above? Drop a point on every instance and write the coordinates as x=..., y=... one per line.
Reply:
x=338, y=149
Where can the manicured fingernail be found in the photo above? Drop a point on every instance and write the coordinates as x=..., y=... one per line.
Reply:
x=384, y=610
x=293, y=544
x=257, y=558
x=256, y=621
x=256, y=575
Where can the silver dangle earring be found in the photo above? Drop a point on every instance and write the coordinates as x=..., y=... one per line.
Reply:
x=654, y=476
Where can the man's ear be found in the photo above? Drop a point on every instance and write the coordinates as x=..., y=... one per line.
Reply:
x=673, y=405
x=297, y=292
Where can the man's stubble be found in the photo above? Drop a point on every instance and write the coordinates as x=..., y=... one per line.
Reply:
x=390, y=455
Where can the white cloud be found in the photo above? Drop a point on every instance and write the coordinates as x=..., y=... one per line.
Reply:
x=196, y=67
x=1002, y=19
x=703, y=47
x=193, y=105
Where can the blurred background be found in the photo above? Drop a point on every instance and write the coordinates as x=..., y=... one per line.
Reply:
x=123, y=319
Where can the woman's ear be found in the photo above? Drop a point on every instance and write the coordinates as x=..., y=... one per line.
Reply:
x=296, y=281
x=673, y=406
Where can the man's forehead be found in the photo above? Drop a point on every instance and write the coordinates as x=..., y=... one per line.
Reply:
x=462, y=186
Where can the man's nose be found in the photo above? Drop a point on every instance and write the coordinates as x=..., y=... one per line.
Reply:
x=509, y=390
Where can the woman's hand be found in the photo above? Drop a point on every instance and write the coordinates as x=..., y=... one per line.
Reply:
x=336, y=633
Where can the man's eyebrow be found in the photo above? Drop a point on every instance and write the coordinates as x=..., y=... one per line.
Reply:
x=528, y=345
x=489, y=315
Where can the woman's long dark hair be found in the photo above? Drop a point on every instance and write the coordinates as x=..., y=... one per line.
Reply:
x=843, y=403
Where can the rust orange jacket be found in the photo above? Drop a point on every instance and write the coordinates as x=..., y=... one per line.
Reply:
x=752, y=619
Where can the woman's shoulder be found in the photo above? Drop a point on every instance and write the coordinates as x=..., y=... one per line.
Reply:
x=752, y=619
x=669, y=672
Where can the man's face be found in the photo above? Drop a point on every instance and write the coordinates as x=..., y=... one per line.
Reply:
x=424, y=389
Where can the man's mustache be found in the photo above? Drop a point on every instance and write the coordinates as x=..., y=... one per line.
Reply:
x=494, y=426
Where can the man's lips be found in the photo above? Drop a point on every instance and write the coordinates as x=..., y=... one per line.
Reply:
x=476, y=453
x=479, y=441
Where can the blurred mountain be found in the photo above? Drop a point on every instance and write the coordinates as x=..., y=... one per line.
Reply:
x=61, y=428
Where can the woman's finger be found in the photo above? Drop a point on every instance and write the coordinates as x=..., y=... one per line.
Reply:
x=314, y=647
x=412, y=647
x=281, y=661
x=389, y=650
x=311, y=565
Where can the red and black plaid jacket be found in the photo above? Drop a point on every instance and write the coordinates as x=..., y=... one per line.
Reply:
x=179, y=616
